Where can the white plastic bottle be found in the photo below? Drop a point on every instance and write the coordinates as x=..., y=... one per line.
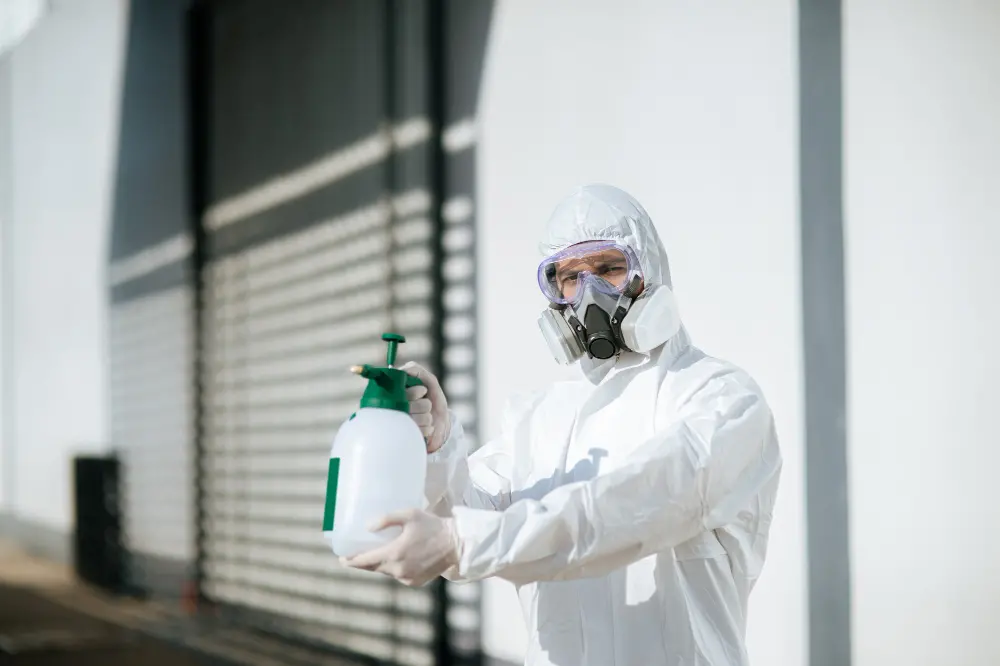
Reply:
x=378, y=462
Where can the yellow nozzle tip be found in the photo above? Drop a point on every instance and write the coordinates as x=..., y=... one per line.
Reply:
x=356, y=369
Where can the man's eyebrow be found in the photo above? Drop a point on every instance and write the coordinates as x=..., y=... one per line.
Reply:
x=604, y=263
x=569, y=265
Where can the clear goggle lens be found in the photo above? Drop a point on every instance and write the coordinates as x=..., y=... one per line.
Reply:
x=561, y=276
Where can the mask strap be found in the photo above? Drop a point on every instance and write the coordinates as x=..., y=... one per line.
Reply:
x=629, y=293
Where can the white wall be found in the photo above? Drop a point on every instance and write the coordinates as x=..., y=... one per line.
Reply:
x=923, y=235
x=5, y=213
x=692, y=108
x=17, y=18
x=64, y=100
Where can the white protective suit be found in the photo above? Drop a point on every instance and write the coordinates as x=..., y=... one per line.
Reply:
x=630, y=508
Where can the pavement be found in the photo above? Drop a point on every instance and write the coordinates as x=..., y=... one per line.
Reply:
x=48, y=618
x=35, y=631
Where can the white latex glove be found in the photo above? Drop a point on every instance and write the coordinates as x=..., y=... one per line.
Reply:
x=427, y=547
x=428, y=406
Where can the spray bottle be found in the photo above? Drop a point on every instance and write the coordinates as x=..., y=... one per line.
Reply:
x=378, y=462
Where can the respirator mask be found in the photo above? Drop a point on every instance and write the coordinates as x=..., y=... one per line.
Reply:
x=599, y=305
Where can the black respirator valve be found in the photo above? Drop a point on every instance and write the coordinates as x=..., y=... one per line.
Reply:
x=600, y=336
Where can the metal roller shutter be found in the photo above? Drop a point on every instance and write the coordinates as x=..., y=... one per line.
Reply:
x=284, y=319
x=152, y=316
x=321, y=232
x=152, y=379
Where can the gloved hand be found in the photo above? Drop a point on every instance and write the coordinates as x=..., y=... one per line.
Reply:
x=428, y=406
x=427, y=547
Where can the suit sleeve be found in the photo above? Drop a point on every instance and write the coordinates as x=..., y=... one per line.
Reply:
x=695, y=476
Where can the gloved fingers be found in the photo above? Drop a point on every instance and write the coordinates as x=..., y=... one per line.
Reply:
x=416, y=581
x=391, y=568
x=363, y=565
x=405, y=580
x=438, y=435
x=425, y=420
x=371, y=560
x=436, y=403
x=425, y=376
x=416, y=370
x=348, y=562
x=421, y=406
x=397, y=518
x=416, y=392
x=422, y=414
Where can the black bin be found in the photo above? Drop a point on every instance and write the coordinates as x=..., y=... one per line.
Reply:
x=98, y=551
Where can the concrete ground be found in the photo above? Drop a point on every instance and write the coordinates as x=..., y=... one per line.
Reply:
x=48, y=618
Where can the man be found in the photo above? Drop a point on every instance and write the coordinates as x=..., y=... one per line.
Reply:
x=630, y=508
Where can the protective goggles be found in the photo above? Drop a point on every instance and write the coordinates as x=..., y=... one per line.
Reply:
x=562, y=275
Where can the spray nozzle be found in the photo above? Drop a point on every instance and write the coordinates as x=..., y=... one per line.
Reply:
x=383, y=376
x=386, y=385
